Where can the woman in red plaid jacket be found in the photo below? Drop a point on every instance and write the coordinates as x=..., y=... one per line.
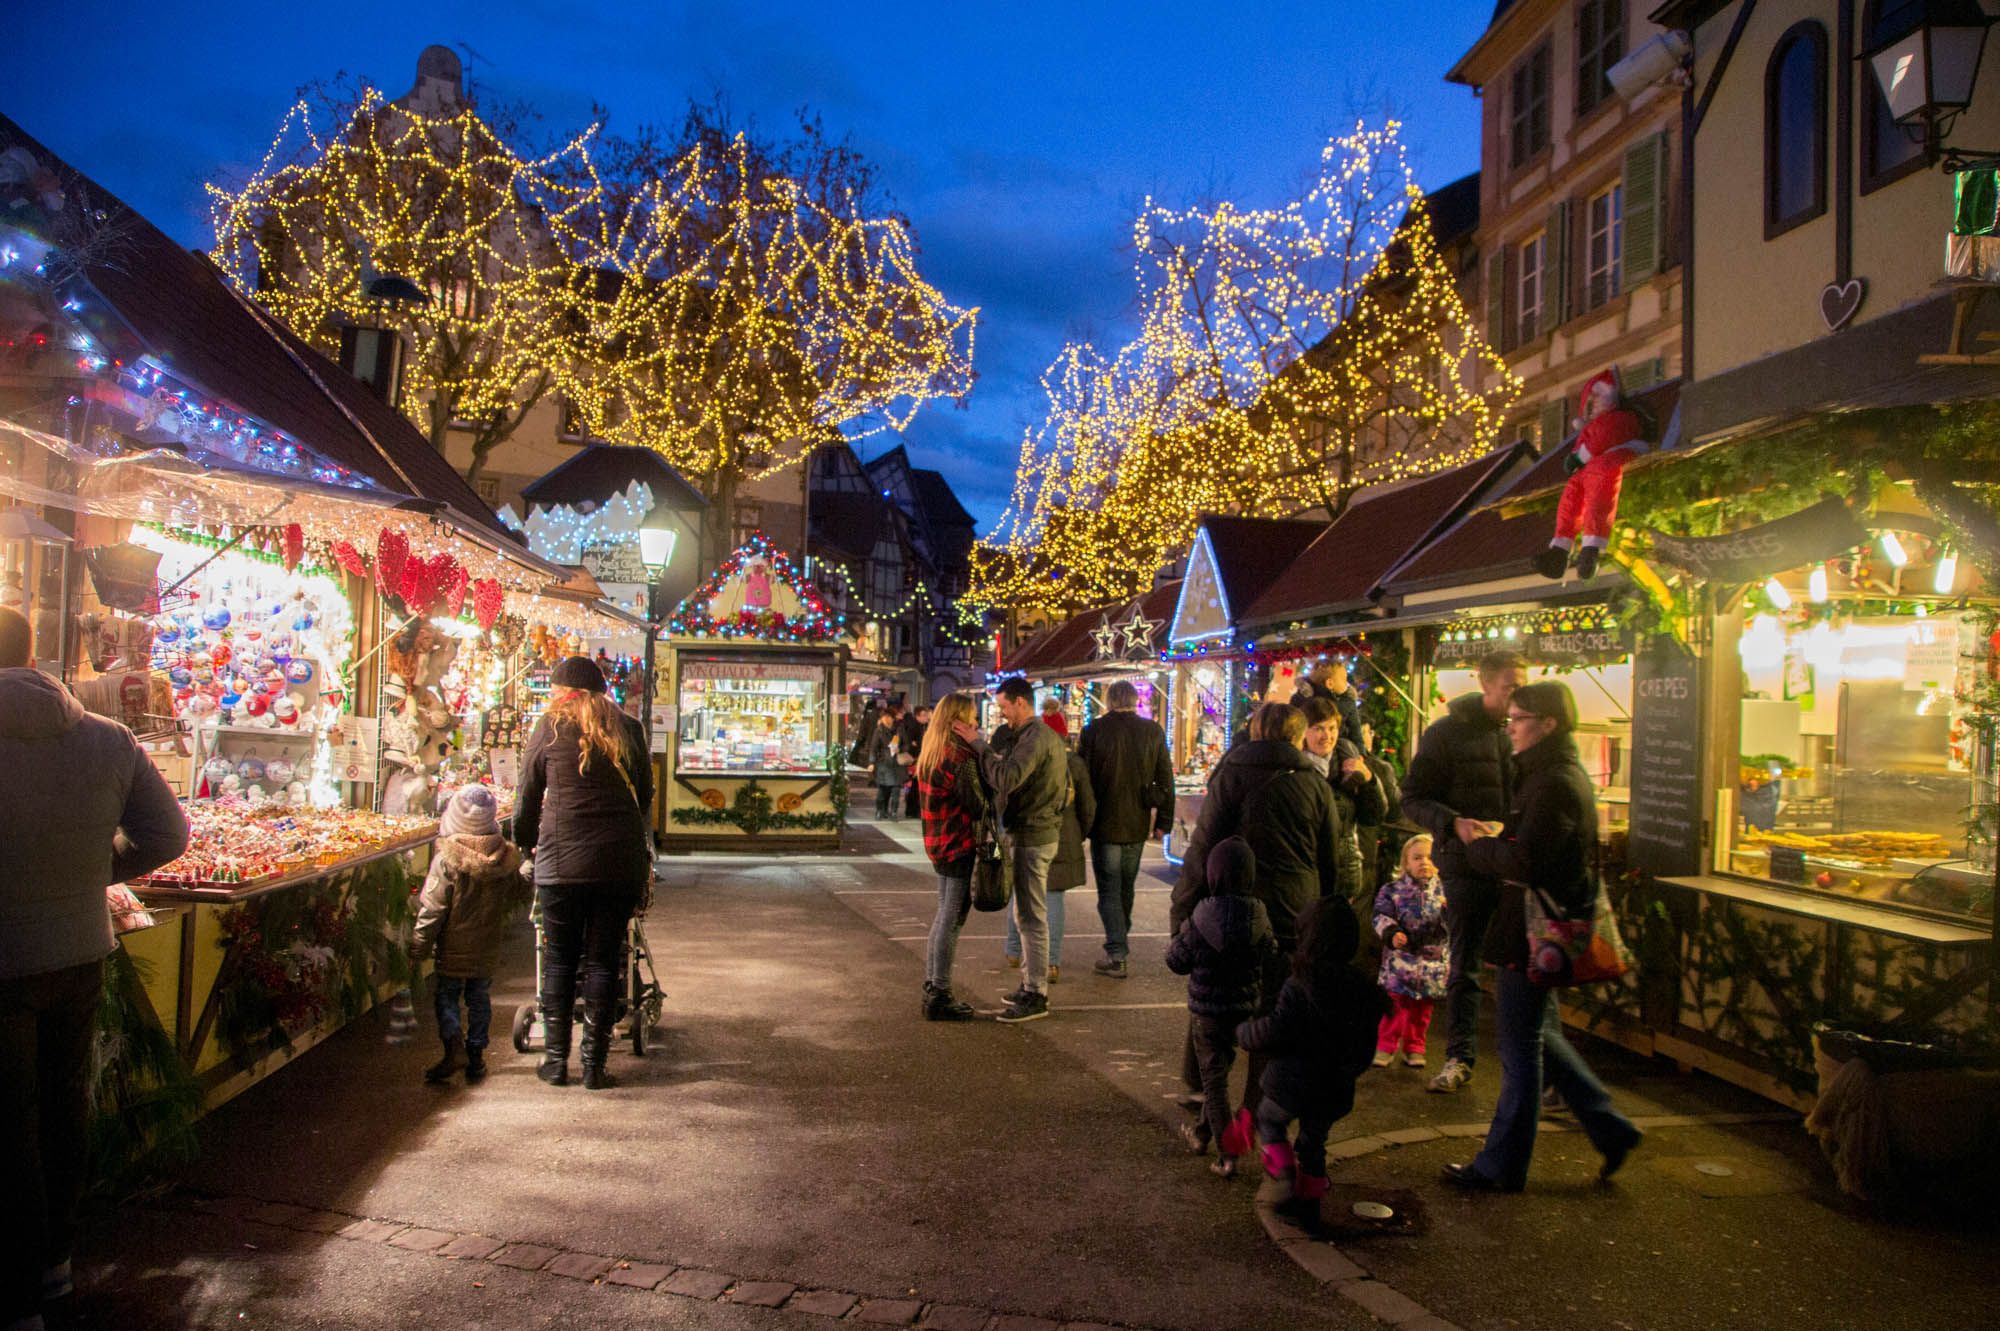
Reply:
x=952, y=797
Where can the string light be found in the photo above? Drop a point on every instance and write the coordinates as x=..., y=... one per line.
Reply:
x=1285, y=358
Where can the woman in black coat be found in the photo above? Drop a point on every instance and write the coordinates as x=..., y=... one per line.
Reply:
x=585, y=815
x=1545, y=844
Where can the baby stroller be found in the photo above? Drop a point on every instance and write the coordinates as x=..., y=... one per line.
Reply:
x=640, y=998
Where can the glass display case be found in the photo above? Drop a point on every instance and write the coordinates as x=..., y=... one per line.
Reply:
x=1858, y=774
x=751, y=715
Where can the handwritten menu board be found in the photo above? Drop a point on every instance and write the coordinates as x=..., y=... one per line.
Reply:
x=1665, y=836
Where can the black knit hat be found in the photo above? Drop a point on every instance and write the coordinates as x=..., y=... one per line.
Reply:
x=578, y=672
x=1232, y=868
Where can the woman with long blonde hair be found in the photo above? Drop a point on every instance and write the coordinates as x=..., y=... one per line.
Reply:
x=585, y=814
x=952, y=799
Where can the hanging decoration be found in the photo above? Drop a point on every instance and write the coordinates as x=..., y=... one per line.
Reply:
x=488, y=599
x=294, y=545
x=756, y=594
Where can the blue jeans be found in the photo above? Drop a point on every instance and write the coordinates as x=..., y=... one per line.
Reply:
x=1116, y=865
x=478, y=993
x=1530, y=1050
x=954, y=900
x=1469, y=904
x=1056, y=912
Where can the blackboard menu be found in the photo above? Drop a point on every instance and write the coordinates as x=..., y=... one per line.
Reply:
x=1667, y=794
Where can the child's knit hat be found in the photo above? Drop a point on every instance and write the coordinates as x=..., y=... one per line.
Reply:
x=472, y=812
x=1232, y=868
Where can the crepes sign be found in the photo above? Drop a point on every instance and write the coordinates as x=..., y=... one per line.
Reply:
x=1827, y=529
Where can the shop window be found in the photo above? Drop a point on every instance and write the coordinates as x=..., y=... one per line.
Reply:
x=1888, y=153
x=1528, y=107
x=1528, y=287
x=1604, y=234
x=1795, y=129
x=1858, y=771
x=752, y=714
x=1600, y=44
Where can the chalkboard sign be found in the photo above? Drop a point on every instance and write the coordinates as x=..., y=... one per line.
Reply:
x=1665, y=837
x=1787, y=865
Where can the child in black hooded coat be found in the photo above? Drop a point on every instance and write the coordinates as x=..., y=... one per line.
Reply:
x=1320, y=1038
x=1224, y=949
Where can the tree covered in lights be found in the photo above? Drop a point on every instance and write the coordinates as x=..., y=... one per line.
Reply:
x=760, y=300
x=1285, y=359
x=426, y=188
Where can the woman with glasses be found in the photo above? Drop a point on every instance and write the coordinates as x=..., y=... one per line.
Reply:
x=1545, y=843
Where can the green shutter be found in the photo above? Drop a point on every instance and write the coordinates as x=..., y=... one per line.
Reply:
x=1496, y=298
x=1555, y=269
x=1642, y=375
x=1646, y=210
x=1553, y=424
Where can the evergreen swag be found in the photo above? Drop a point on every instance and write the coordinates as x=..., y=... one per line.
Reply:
x=754, y=811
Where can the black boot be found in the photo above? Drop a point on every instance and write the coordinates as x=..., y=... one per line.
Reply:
x=1551, y=562
x=1586, y=560
x=475, y=1064
x=597, y=1025
x=555, y=1045
x=940, y=1005
x=444, y=1067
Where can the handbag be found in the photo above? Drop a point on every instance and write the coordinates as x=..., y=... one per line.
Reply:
x=992, y=868
x=1563, y=951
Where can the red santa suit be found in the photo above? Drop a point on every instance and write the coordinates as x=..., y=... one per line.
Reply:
x=1604, y=444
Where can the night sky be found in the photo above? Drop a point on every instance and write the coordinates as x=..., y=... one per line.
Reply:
x=1020, y=138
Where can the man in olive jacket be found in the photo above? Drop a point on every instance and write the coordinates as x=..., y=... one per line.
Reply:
x=1030, y=783
x=1126, y=756
x=1459, y=787
x=81, y=807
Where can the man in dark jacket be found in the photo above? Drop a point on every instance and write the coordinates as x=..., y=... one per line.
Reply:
x=1458, y=789
x=1126, y=756
x=912, y=741
x=81, y=808
x=1030, y=783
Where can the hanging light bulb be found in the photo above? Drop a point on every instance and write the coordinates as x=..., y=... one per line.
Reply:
x=1780, y=598
x=1816, y=584
x=1893, y=548
x=1947, y=573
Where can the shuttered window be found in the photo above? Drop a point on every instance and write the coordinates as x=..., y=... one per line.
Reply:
x=1604, y=229
x=1530, y=267
x=1643, y=201
x=1528, y=107
x=1600, y=44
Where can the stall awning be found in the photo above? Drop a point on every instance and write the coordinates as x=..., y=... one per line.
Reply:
x=1124, y=637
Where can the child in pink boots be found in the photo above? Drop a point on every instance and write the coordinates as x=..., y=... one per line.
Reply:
x=1319, y=1038
x=1416, y=959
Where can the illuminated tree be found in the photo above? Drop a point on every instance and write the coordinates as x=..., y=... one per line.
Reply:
x=356, y=189
x=1285, y=359
x=756, y=302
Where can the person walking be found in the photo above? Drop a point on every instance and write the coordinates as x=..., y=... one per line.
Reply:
x=915, y=727
x=1459, y=786
x=467, y=896
x=1224, y=949
x=1125, y=756
x=1266, y=791
x=1314, y=1043
x=951, y=797
x=1416, y=959
x=1065, y=870
x=1029, y=782
x=1545, y=844
x=81, y=807
x=886, y=756
x=585, y=791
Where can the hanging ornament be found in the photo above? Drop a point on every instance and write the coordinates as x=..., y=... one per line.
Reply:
x=455, y=589
x=488, y=597
x=294, y=546
x=350, y=559
x=392, y=552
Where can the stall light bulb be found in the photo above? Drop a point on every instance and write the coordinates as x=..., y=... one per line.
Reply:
x=1947, y=573
x=1780, y=598
x=1816, y=585
x=1893, y=548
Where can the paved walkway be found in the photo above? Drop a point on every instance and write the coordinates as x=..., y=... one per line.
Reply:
x=800, y=1146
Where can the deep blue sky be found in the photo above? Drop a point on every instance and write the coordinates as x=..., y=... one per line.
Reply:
x=1020, y=138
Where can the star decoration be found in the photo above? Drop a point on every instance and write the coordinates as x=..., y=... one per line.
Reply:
x=1139, y=633
x=1107, y=641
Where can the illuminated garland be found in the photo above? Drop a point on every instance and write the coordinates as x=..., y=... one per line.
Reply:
x=1286, y=358
x=691, y=617
x=920, y=595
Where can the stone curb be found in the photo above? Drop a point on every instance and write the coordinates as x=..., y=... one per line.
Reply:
x=690, y=1282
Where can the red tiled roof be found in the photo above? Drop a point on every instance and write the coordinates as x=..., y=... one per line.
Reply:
x=1486, y=545
x=178, y=306
x=1068, y=647
x=1347, y=562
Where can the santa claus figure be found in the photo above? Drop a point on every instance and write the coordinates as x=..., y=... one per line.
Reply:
x=1608, y=435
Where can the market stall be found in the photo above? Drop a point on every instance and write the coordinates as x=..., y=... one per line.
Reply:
x=752, y=674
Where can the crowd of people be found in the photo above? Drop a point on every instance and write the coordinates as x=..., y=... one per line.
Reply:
x=1323, y=907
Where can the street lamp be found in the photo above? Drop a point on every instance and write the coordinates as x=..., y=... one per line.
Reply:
x=656, y=551
x=1927, y=76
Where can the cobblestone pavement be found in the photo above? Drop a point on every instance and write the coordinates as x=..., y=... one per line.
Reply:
x=799, y=1147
